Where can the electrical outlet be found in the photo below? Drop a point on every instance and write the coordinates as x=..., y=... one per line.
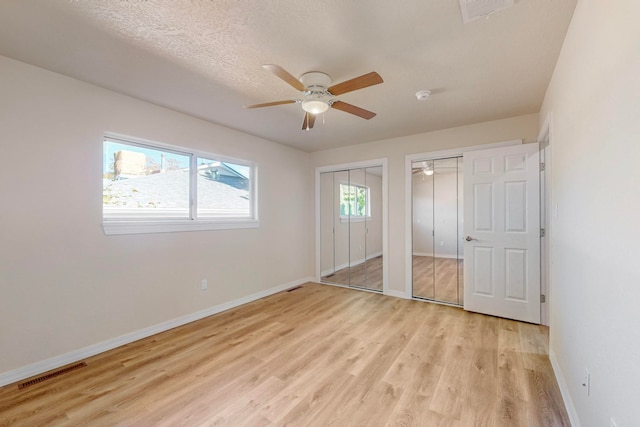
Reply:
x=586, y=382
x=203, y=284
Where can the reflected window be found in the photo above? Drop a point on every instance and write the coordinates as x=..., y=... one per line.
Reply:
x=354, y=201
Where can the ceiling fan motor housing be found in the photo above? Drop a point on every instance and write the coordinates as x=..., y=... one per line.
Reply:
x=318, y=99
x=316, y=81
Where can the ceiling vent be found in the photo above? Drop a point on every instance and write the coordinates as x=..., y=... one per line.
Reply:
x=474, y=9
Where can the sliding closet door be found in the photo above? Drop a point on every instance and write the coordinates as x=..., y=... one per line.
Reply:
x=373, y=241
x=460, y=166
x=437, y=228
x=445, y=225
x=351, y=227
x=355, y=201
x=334, y=229
x=341, y=229
x=423, y=233
x=327, y=243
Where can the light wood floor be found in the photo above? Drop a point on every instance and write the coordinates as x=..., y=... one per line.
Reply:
x=365, y=275
x=316, y=356
x=445, y=283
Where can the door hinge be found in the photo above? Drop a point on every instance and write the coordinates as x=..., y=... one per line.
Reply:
x=541, y=167
x=543, y=298
x=542, y=232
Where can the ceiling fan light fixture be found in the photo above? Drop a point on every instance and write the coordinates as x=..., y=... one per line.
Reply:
x=423, y=95
x=428, y=172
x=315, y=106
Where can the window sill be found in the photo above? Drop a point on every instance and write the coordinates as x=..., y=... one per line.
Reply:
x=144, y=227
x=355, y=218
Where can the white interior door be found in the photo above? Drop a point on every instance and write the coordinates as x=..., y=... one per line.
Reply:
x=502, y=232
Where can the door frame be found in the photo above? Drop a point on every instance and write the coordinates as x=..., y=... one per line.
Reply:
x=544, y=140
x=385, y=215
x=429, y=155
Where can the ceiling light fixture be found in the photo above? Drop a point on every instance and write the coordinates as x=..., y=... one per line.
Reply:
x=315, y=106
x=428, y=172
x=476, y=9
x=423, y=95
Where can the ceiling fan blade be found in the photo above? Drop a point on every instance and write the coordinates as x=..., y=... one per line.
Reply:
x=352, y=109
x=270, y=104
x=284, y=75
x=309, y=121
x=363, y=81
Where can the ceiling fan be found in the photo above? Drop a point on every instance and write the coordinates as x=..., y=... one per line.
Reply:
x=319, y=96
x=428, y=168
x=428, y=171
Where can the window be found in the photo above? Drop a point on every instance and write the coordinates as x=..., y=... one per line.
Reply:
x=149, y=187
x=354, y=202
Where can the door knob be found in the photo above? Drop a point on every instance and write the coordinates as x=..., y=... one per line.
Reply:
x=469, y=238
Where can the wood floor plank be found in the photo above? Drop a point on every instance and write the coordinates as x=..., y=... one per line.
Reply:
x=317, y=356
x=313, y=404
x=438, y=279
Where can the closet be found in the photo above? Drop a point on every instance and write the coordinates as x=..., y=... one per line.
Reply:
x=351, y=227
x=437, y=227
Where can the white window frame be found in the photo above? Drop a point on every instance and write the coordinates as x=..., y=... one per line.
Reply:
x=358, y=218
x=113, y=226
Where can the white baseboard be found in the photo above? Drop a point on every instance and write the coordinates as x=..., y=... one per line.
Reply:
x=396, y=294
x=564, y=390
x=15, y=375
x=439, y=255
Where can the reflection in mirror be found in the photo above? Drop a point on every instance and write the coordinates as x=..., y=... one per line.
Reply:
x=327, y=245
x=351, y=227
x=460, y=231
x=422, y=207
x=373, y=243
x=340, y=229
x=437, y=216
x=354, y=208
x=445, y=220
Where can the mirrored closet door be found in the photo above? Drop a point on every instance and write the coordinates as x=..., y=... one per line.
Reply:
x=351, y=227
x=437, y=213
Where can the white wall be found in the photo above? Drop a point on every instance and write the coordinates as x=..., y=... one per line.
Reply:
x=446, y=218
x=64, y=284
x=594, y=102
x=521, y=127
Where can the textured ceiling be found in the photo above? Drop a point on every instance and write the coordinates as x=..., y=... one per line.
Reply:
x=204, y=58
